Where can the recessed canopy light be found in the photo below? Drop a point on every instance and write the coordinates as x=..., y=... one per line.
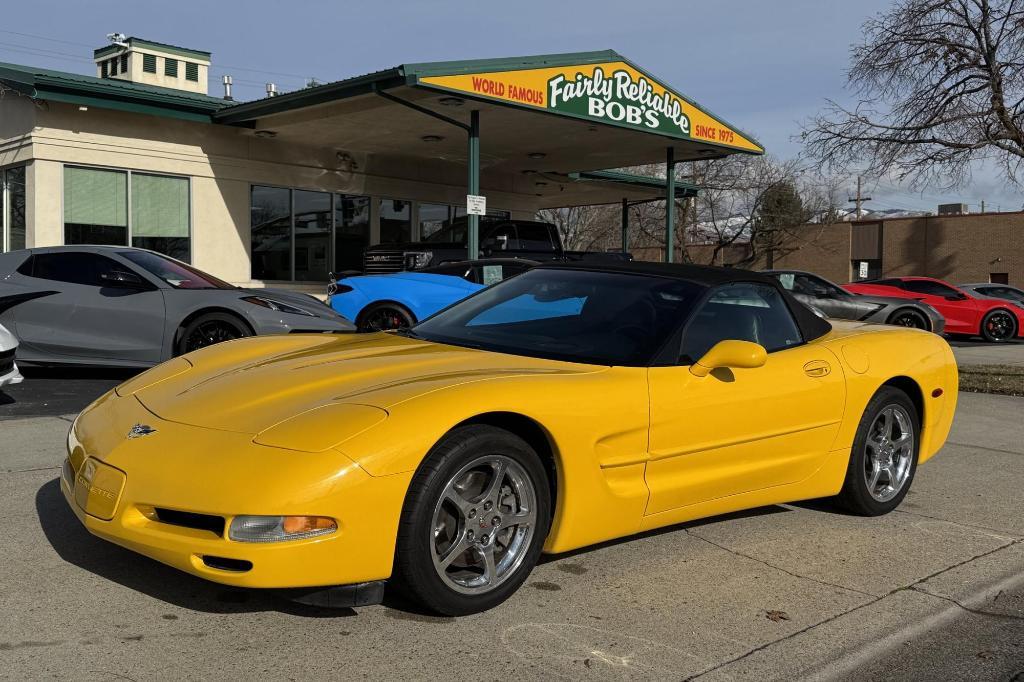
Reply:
x=537, y=155
x=529, y=172
x=452, y=101
x=540, y=184
x=265, y=133
x=431, y=138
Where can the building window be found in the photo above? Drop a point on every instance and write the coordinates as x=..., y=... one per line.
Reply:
x=95, y=206
x=395, y=221
x=191, y=71
x=271, y=212
x=433, y=217
x=171, y=67
x=149, y=63
x=99, y=209
x=160, y=214
x=124, y=63
x=351, y=231
x=12, y=209
x=104, y=69
x=292, y=233
x=113, y=66
x=312, y=235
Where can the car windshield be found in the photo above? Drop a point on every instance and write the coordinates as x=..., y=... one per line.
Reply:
x=574, y=315
x=177, y=274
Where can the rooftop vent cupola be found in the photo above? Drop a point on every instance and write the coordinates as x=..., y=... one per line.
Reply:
x=150, y=63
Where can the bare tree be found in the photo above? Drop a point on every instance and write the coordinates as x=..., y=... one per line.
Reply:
x=583, y=228
x=940, y=86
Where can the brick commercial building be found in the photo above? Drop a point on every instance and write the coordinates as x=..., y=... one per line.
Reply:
x=987, y=247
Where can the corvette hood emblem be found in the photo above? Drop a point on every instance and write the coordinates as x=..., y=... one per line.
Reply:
x=140, y=430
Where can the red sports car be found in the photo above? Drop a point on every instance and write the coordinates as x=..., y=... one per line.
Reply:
x=993, y=320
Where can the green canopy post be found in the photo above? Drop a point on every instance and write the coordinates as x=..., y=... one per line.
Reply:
x=474, y=182
x=670, y=204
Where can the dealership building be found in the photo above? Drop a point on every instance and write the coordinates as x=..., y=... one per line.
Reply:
x=287, y=188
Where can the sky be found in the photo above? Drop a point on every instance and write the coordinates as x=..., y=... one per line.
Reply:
x=762, y=66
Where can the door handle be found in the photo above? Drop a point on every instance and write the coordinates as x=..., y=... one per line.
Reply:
x=817, y=368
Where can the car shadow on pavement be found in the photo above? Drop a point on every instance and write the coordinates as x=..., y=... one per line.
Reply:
x=77, y=546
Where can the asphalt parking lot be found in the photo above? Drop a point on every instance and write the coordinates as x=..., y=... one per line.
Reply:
x=934, y=590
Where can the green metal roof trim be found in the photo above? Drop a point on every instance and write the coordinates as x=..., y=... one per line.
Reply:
x=109, y=93
x=404, y=74
x=682, y=190
x=153, y=45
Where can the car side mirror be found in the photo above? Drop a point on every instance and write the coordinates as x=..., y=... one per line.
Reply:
x=122, y=279
x=731, y=354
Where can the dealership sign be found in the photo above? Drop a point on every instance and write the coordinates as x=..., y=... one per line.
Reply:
x=616, y=93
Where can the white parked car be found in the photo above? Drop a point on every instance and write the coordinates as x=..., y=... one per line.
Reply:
x=9, y=373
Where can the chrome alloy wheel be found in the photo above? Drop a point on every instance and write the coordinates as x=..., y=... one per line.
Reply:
x=889, y=453
x=483, y=524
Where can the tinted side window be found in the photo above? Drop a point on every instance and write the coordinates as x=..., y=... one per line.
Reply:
x=500, y=238
x=76, y=268
x=740, y=312
x=535, y=237
x=923, y=286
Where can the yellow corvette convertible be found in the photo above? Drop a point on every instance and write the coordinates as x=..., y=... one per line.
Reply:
x=566, y=406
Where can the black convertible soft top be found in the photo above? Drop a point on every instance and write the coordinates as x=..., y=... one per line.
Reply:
x=811, y=325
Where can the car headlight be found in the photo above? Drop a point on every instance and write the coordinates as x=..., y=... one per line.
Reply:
x=414, y=260
x=279, y=528
x=276, y=305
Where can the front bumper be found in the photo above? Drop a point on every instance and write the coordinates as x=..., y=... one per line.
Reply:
x=118, y=487
x=12, y=377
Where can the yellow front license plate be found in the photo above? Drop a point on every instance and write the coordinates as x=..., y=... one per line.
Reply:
x=98, y=488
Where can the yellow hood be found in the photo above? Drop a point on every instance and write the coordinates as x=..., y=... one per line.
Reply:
x=248, y=385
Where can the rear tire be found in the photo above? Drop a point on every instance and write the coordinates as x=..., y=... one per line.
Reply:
x=384, y=316
x=209, y=329
x=883, y=459
x=481, y=492
x=999, y=326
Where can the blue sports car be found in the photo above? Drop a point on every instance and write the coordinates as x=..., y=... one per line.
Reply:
x=400, y=300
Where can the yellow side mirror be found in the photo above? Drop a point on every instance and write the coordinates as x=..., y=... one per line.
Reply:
x=732, y=354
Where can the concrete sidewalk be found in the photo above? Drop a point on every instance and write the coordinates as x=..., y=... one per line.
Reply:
x=785, y=592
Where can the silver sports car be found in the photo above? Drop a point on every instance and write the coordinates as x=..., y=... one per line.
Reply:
x=998, y=291
x=126, y=307
x=9, y=373
x=834, y=301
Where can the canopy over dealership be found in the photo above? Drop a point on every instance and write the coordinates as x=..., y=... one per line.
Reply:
x=286, y=188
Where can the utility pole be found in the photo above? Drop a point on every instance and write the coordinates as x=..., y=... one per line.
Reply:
x=859, y=199
x=982, y=205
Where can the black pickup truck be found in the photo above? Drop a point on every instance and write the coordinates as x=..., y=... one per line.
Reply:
x=499, y=238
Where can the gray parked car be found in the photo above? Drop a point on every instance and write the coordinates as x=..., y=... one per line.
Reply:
x=126, y=307
x=834, y=301
x=998, y=291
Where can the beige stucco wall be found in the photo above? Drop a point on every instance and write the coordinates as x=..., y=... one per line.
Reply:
x=222, y=163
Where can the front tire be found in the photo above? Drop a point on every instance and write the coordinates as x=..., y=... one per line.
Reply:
x=883, y=460
x=474, y=521
x=998, y=326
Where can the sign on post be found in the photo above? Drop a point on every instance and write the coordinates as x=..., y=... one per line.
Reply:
x=863, y=272
x=476, y=204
